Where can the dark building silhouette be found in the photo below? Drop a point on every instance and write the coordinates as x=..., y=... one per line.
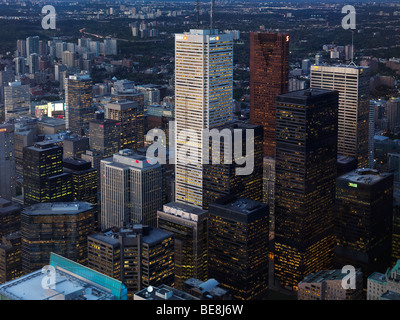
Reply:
x=269, y=77
x=306, y=164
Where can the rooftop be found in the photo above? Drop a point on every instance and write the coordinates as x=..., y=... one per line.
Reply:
x=183, y=210
x=326, y=275
x=163, y=292
x=365, y=176
x=57, y=208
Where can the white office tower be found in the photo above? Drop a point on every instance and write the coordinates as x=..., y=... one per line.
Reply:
x=352, y=83
x=131, y=190
x=17, y=100
x=203, y=97
x=7, y=161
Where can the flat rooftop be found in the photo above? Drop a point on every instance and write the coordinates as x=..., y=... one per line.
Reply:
x=67, y=287
x=57, y=208
x=163, y=292
x=326, y=275
x=365, y=176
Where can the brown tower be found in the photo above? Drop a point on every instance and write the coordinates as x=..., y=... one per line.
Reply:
x=269, y=77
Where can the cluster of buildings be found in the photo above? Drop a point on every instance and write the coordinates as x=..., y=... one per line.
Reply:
x=87, y=201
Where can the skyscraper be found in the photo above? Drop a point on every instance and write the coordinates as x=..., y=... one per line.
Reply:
x=7, y=161
x=32, y=45
x=363, y=220
x=130, y=190
x=306, y=145
x=269, y=77
x=61, y=228
x=203, y=100
x=44, y=179
x=141, y=256
x=189, y=226
x=238, y=246
x=78, y=101
x=130, y=116
x=352, y=83
x=17, y=100
x=33, y=63
x=221, y=179
x=105, y=136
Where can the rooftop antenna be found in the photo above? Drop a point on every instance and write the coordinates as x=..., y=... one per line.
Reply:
x=352, y=49
x=211, y=14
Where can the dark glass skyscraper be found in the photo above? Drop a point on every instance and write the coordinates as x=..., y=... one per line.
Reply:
x=78, y=100
x=364, y=220
x=238, y=246
x=222, y=179
x=269, y=77
x=44, y=179
x=306, y=160
x=105, y=136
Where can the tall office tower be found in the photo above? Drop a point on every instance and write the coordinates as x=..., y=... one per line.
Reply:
x=74, y=146
x=94, y=157
x=84, y=181
x=238, y=246
x=189, y=226
x=43, y=48
x=23, y=136
x=319, y=61
x=364, y=220
x=327, y=285
x=6, y=77
x=105, y=136
x=222, y=178
x=393, y=113
x=110, y=47
x=203, y=100
x=131, y=117
x=17, y=100
x=33, y=61
x=371, y=134
x=305, y=167
x=21, y=48
x=353, y=85
x=72, y=281
x=61, y=228
x=306, y=66
x=269, y=77
x=130, y=190
x=42, y=161
x=384, y=285
x=60, y=48
x=19, y=65
x=68, y=59
x=269, y=191
x=7, y=161
x=143, y=256
x=10, y=217
x=10, y=257
x=32, y=45
x=78, y=101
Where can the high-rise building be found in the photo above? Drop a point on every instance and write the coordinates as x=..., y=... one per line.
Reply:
x=33, y=63
x=396, y=227
x=189, y=226
x=21, y=48
x=10, y=217
x=19, y=66
x=140, y=255
x=130, y=190
x=72, y=281
x=327, y=285
x=105, y=136
x=393, y=113
x=222, y=178
x=305, y=167
x=74, y=146
x=32, y=45
x=352, y=83
x=7, y=161
x=84, y=180
x=385, y=285
x=238, y=246
x=61, y=228
x=6, y=77
x=203, y=100
x=10, y=257
x=269, y=77
x=17, y=100
x=269, y=190
x=43, y=161
x=131, y=118
x=78, y=101
x=363, y=220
